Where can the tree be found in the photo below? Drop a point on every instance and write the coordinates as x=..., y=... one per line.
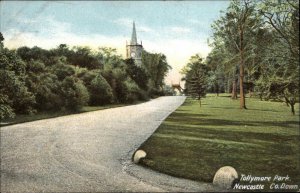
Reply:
x=6, y=111
x=283, y=16
x=109, y=58
x=282, y=74
x=47, y=92
x=61, y=69
x=100, y=91
x=1, y=42
x=133, y=92
x=236, y=30
x=216, y=75
x=74, y=93
x=35, y=53
x=12, y=83
x=156, y=67
x=81, y=56
x=137, y=74
x=196, y=78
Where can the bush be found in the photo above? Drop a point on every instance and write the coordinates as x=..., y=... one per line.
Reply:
x=47, y=95
x=6, y=110
x=35, y=66
x=169, y=91
x=100, y=91
x=154, y=92
x=63, y=70
x=11, y=85
x=142, y=95
x=133, y=92
x=74, y=93
x=87, y=76
x=24, y=101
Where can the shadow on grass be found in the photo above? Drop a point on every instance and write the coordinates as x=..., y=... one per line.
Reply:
x=181, y=113
x=192, y=103
x=248, y=109
x=244, y=136
x=202, y=120
x=268, y=110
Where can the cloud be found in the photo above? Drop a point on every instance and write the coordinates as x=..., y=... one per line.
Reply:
x=51, y=33
x=180, y=30
x=127, y=22
x=145, y=29
x=178, y=52
x=93, y=40
x=196, y=21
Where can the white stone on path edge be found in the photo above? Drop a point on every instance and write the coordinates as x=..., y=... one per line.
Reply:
x=225, y=176
x=138, y=155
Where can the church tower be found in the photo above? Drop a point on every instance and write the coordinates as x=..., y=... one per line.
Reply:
x=134, y=50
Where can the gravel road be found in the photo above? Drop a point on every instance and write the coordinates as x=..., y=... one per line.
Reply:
x=88, y=152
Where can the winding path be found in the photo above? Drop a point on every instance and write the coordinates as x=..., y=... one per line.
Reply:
x=87, y=152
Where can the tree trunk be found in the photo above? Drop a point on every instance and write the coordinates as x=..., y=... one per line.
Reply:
x=242, y=94
x=228, y=86
x=293, y=109
x=286, y=101
x=292, y=103
x=261, y=96
x=234, y=93
x=217, y=89
x=199, y=98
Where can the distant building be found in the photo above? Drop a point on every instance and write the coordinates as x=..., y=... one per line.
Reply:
x=134, y=50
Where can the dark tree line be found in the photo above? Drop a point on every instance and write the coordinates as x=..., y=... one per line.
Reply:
x=64, y=78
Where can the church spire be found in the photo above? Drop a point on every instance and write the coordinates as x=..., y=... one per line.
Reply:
x=133, y=36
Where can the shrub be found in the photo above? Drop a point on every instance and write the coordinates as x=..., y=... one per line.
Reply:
x=133, y=92
x=74, y=93
x=6, y=110
x=47, y=95
x=100, y=91
x=63, y=70
x=169, y=91
x=22, y=101
x=154, y=92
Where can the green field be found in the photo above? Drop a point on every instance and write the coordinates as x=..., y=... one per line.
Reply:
x=194, y=142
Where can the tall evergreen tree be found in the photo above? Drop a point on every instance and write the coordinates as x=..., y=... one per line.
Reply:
x=196, y=78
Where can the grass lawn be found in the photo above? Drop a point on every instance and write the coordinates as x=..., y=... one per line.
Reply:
x=46, y=115
x=194, y=142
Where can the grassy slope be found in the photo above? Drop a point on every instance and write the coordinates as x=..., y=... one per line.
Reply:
x=195, y=142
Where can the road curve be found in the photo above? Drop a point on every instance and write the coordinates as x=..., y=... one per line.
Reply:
x=87, y=152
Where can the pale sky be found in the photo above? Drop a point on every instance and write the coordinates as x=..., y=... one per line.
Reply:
x=178, y=29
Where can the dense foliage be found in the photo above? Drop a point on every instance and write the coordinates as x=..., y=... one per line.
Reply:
x=63, y=78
